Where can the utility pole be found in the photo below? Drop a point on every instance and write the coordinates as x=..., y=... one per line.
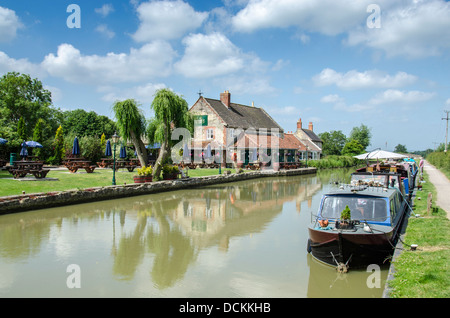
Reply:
x=446, y=130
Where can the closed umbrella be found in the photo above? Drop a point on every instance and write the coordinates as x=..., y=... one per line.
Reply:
x=76, y=147
x=123, y=152
x=108, y=151
x=254, y=155
x=3, y=141
x=24, y=151
x=186, y=152
x=208, y=151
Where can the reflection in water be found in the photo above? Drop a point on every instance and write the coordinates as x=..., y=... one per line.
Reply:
x=244, y=239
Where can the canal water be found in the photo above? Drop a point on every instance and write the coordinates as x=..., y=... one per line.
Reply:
x=243, y=239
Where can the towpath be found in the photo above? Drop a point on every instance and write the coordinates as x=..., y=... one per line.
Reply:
x=442, y=185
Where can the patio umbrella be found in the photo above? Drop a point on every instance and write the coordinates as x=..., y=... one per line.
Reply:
x=108, y=151
x=24, y=151
x=123, y=152
x=380, y=154
x=208, y=152
x=254, y=155
x=3, y=141
x=186, y=152
x=33, y=144
x=76, y=147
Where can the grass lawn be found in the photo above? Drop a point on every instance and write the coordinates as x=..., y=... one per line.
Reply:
x=424, y=273
x=64, y=180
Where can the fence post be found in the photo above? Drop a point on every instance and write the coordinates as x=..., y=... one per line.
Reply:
x=429, y=203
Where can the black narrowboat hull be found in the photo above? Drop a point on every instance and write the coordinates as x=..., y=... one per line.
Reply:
x=354, y=250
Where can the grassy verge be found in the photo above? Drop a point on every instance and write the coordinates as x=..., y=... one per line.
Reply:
x=64, y=180
x=424, y=273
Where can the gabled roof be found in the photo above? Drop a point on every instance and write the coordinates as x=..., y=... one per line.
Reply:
x=267, y=141
x=311, y=135
x=241, y=116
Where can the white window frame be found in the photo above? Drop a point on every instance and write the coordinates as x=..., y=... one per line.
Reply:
x=209, y=133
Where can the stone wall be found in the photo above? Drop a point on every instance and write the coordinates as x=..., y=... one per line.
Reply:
x=21, y=203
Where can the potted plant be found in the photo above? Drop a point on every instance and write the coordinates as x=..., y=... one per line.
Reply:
x=170, y=172
x=345, y=218
x=144, y=175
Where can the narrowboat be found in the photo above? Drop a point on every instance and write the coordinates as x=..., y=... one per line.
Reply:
x=367, y=235
x=407, y=170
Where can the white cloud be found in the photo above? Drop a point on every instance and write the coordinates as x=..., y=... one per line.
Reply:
x=215, y=56
x=105, y=10
x=142, y=93
x=397, y=96
x=416, y=30
x=280, y=64
x=8, y=64
x=334, y=98
x=166, y=20
x=367, y=79
x=103, y=29
x=328, y=16
x=245, y=84
x=209, y=56
x=9, y=23
x=151, y=60
x=358, y=107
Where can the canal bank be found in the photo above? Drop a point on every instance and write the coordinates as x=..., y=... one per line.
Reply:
x=27, y=202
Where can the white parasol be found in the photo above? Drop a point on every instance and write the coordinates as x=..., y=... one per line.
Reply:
x=380, y=154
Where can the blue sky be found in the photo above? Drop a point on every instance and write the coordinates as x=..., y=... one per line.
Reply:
x=338, y=64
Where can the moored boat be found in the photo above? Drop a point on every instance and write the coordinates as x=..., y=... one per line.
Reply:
x=368, y=235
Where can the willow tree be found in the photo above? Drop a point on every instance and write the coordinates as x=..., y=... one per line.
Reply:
x=171, y=111
x=131, y=123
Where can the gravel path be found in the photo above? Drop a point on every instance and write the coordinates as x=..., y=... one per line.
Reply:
x=442, y=184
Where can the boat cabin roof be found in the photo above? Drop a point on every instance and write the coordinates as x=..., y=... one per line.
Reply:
x=362, y=190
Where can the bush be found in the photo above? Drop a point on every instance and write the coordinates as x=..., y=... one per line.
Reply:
x=440, y=160
x=334, y=161
x=145, y=171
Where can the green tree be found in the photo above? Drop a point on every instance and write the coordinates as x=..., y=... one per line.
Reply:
x=38, y=135
x=22, y=96
x=353, y=148
x=362, y=135
x=333, y=142
x=83, y=123
x=103, y=141
x=91, y=148
x=58, y=144
x=171, y=111
x=400, y=149
x=131, y=124
x=21, y=130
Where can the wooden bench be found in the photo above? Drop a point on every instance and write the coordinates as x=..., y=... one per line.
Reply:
x=18, y=173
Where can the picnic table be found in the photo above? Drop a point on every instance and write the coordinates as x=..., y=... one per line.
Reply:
x=105, y=163
x=129, y=165
x=73, y=164
x=21, y=168
x=2, y=163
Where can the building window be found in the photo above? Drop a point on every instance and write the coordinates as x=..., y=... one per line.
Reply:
x=210, y=133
